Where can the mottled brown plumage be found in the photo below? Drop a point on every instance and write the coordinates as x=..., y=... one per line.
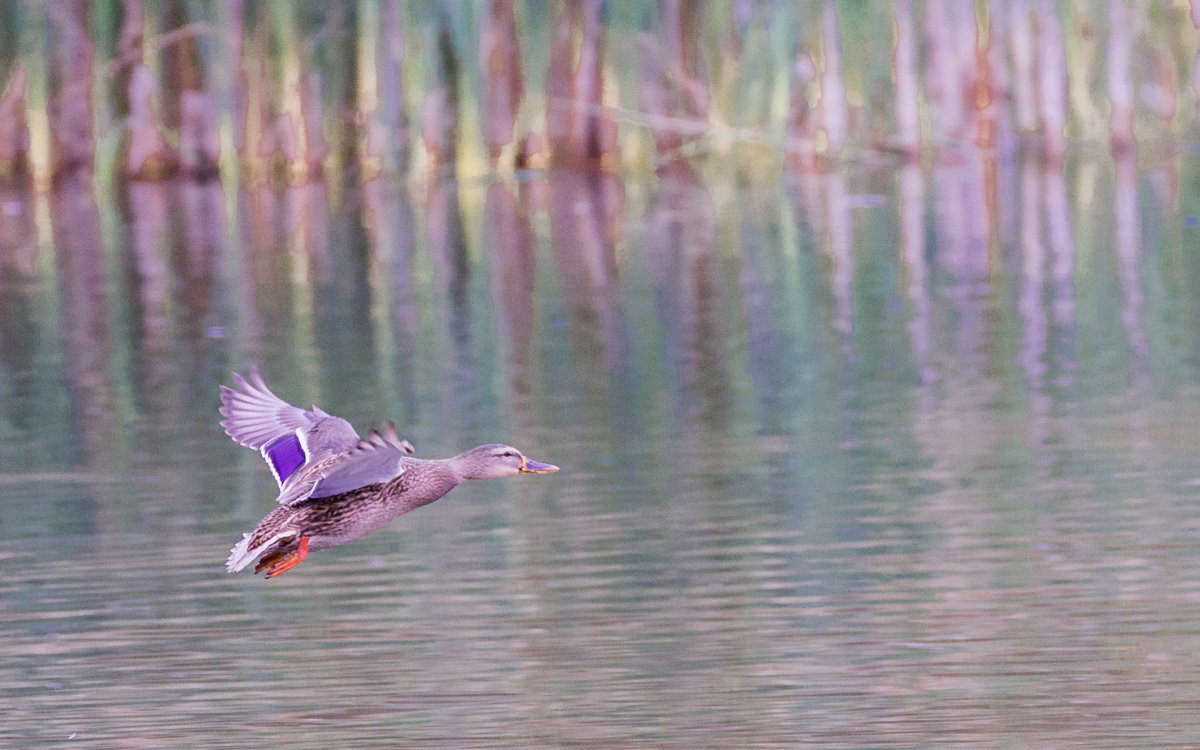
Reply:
x=338, y=488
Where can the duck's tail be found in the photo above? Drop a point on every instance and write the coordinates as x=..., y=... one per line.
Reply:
x=243, y=554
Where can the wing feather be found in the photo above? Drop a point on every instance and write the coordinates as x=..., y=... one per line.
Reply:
x=289, y=438
x=379, y=458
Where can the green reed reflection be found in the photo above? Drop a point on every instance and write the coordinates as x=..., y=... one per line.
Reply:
x=847, y=458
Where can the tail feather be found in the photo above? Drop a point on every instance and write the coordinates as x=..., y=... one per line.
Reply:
x=242, y=554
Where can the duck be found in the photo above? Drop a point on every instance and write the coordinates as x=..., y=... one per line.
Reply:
x=336, y=486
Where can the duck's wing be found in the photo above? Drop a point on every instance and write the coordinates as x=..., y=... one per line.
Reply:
x=287, y=436
x=379, y=458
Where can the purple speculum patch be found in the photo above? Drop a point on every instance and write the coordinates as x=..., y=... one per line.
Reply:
x=285, y=454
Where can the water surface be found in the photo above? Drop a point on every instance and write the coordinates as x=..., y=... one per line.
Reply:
x=892, y=457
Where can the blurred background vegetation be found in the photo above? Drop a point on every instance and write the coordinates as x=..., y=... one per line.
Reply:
x=289, y=91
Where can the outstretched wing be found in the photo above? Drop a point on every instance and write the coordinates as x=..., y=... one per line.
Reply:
x=379, y=458
x=287, y=436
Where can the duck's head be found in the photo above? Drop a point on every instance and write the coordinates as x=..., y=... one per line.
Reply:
x=496, y=460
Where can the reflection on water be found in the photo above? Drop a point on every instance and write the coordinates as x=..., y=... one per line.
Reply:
x=878, y=458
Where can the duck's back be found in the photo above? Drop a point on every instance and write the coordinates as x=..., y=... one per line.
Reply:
x=337, y=520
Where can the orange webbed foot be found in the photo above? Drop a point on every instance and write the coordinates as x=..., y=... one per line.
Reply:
x=278, y=563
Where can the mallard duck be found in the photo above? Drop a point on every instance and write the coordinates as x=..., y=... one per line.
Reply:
x=335, y=486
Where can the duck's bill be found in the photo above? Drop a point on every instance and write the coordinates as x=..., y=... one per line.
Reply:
x=537, y=467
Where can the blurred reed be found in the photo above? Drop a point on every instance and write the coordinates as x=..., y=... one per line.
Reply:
x=288, y=91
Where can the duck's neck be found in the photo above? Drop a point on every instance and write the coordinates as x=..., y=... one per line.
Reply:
x=464, y=466
x=424, y=481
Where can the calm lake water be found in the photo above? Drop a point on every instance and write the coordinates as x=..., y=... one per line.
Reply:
x=883, y=458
